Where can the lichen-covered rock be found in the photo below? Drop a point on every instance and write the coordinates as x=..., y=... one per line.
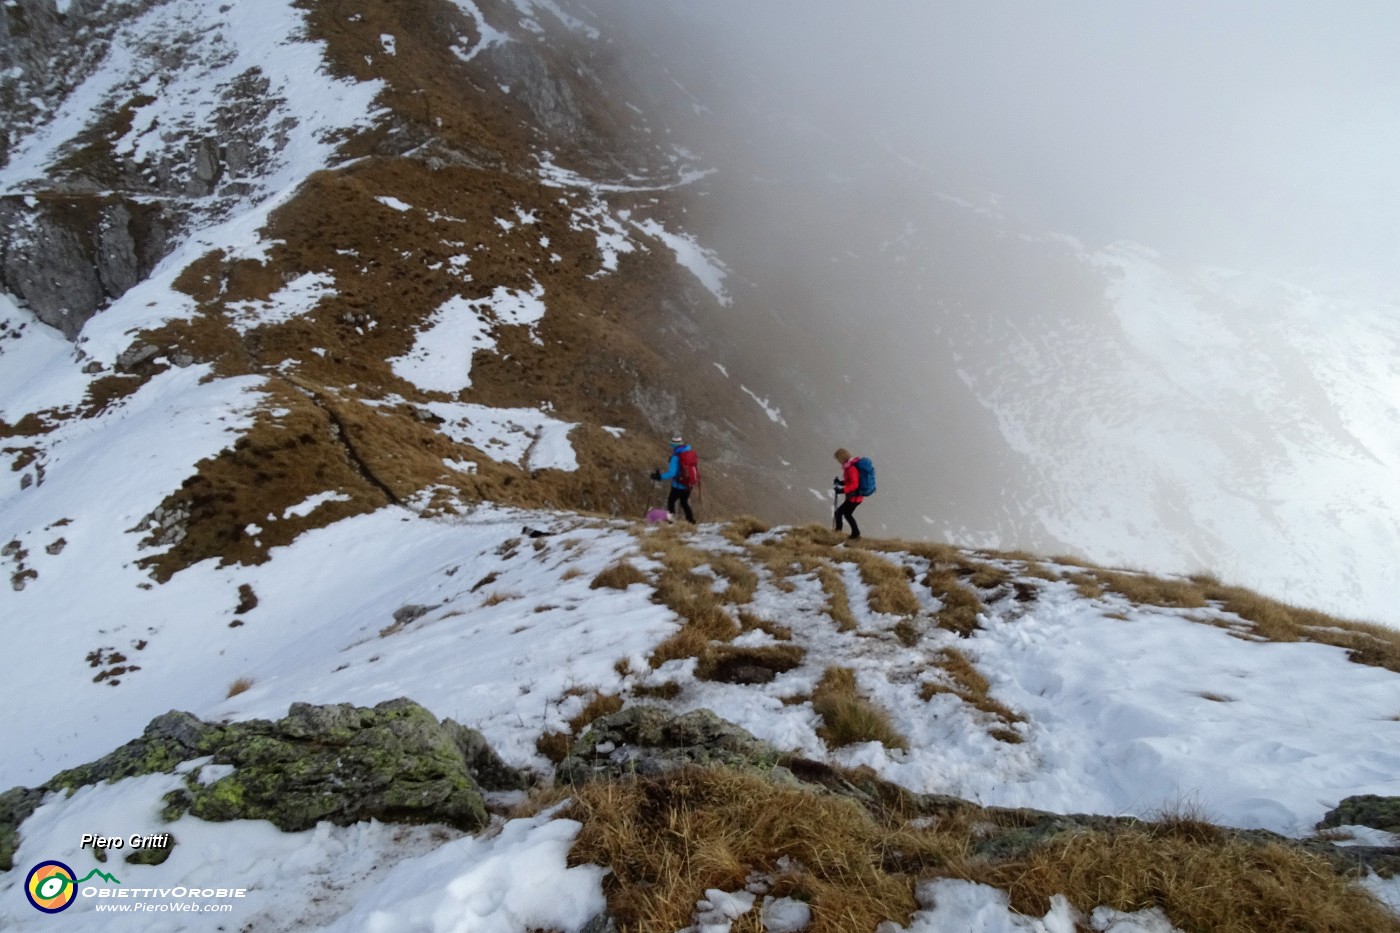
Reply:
x=482, y=761
x=650, y=740
x=152, y=855
x=1381, y=813
x=394, y=763
x=15, y=806
x=168, y=739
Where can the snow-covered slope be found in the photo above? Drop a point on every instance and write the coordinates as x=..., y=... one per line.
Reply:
x=391, y=332
x=1126, y=710
x=1214, y=420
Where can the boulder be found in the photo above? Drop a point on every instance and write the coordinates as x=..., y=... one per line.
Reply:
x=394, y=762
x=15, y=806
x=1381, y=813
x=649, y=740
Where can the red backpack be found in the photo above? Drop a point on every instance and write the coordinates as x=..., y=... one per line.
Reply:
x=690, y=468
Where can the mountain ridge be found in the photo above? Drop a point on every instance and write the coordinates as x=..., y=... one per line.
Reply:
x=376, y=422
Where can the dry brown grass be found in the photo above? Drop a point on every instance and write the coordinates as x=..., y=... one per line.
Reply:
x=964, y=681
x=752, y=622
x=887, y=583
x=907, y=632
x=1269, y=619
x=742, y=580
x=554, y=745
x=848, y=717
x=618, y=576
x=667, y=840
x=601, y=704
x=934, y=552
x=240, y=685
x=500, y=596
x=961, y=606
x=691, y=596
x=740, y=529
x=664, y=691
x=988, y=576
x=838, y=603
x=1227, y=886
x=754, y=664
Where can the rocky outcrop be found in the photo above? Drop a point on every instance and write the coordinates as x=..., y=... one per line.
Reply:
x=102, y=215
x=15, y=806
x=648, y=740
x=551, y=101
x=1381, y=813
x=68, y=256
x=394, y=762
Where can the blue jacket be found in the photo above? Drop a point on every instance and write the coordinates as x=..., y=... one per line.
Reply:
x=673, y=469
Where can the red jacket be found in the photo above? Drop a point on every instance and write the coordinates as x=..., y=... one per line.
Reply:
x=851, y=480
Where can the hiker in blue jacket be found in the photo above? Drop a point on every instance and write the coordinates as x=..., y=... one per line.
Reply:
x=683, y=474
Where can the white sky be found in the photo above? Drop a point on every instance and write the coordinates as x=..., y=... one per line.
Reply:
x=1260, y=131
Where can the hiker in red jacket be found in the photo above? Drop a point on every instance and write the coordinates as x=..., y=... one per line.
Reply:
x=849, y=483
x=684, y=474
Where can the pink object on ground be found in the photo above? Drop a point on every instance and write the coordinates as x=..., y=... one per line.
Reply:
x=656, y=516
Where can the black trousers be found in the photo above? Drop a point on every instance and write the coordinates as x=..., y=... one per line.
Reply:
x=847, y=511
x=683, y=497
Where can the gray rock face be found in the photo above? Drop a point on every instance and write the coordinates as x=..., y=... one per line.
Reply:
x=100, y=217
x=551, y=101
x=66, y=257
x=648, y=740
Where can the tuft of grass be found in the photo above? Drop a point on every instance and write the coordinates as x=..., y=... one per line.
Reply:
x=618, y=576
x=602, y=704
x=751, y=622
x=887, y=584
x=1269, y=619
x=498, y=597
x=573, y=573
x=848, y=717
x=961, y=606
x=838, y=603
x=907, y=632
x=756, y=664
x=554, y=745
x=988, y=576
x=240, y=685
x=669, y=839
x=665, y=691
x=964, y=681
x=744, y=527
x=1225, y=887
x=742, y=579
x=691, y=596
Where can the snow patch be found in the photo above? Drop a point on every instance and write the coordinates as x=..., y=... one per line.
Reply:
x=526, y=437
x=441, y=358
